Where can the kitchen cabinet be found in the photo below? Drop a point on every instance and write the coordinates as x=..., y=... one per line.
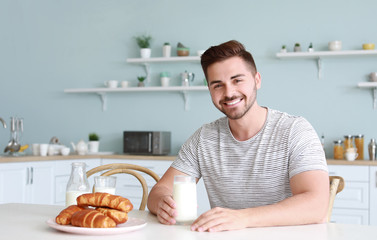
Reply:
x=130, y=187
x=63, y=172
x=373, y=195
x=30, y=182
x=352, y=204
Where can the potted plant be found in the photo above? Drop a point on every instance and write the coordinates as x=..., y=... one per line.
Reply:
x=93, y=145
x=310, y=48
x=141, y=81
x=166, y=50
x=297, y=47
x=283, y=49
x=144, y=43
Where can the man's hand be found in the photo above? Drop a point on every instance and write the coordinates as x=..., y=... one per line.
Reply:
x=219, y=219
x=166, y=210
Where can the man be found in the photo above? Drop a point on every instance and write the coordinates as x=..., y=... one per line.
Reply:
x=261, y=167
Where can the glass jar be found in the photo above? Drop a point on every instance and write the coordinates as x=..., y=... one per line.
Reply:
x=359, y=143
x=348, y=142
x=78, y=183
x=338, y=149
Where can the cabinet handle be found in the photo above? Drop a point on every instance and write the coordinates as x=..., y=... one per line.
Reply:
x=32, y=175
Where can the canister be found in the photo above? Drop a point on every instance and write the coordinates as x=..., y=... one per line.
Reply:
x=338, y=149
x=348, y=142
x=359, y=143
x=372, y=149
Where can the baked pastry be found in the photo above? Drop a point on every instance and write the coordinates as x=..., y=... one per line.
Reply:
x=108, y=200
x=91, y=218
x=64, y=217
x=116, y=215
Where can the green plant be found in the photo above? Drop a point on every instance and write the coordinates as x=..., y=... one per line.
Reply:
x=297, y=45
x=144, y=41
x=167, y=44
x=141, y=78
x=93, y=137
x=283, y=47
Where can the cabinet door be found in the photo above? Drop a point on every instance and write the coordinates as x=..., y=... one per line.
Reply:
x=13, y=183
x=62, y=173
x=373, y=196
x=40, y=185
x=350, y=216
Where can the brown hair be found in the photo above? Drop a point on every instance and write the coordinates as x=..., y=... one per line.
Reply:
x=225, y=51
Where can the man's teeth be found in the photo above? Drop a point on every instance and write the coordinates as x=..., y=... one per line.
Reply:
x=234, y=102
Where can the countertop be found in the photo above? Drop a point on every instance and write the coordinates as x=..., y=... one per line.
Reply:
x=30, y=158
x=28, y=221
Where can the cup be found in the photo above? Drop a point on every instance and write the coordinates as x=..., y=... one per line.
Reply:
x=335, y=45
x=165, y=81
x=35, y=149
x=351, y=156
x=184, y=195
x=105, y=184
x=124, y=84
x=111, y=83
x=51, y=150
x=65, y=151
x=43, y=149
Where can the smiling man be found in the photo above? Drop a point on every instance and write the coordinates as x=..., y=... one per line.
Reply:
x=261, y=167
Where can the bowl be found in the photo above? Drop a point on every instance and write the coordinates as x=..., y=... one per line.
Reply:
x=335, y=45
x=368, y=46
x=183, y=51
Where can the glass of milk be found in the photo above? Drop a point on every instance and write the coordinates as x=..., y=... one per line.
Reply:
x=105, y=184
x=184, y=195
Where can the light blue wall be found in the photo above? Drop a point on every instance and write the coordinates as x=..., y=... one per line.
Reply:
x=47, y=46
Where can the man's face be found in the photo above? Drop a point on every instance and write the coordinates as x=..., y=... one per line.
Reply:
x=233, y=87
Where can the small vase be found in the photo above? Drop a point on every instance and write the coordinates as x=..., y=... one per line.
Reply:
x=166, y=51
x=145, y=52
x=141, y=84
x=93, y=146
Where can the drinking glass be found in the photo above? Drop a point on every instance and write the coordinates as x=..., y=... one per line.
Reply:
x=184, y=195
x=105, y=184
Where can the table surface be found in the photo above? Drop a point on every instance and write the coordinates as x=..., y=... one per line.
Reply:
x=28, y=221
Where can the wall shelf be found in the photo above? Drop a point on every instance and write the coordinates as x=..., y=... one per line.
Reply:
x=319, y=55
x=373, y=86
x=102, y=92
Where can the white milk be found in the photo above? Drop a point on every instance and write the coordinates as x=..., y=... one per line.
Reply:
x=105, y=190
x=70, y=197
x=184, y=195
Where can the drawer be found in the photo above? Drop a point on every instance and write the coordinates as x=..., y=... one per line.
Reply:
x=350, y=173
x=350, y=216
x=354, y=195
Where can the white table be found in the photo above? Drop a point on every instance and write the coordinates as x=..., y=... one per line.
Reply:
x=27, y=221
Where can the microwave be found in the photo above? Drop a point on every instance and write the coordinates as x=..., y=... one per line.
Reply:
x=146, y=143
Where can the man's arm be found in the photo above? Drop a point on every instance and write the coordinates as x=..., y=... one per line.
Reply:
x=160, y=200
x=308, y=205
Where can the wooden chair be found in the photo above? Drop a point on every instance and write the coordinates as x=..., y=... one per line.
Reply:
x=336, y=186
x=126, y=168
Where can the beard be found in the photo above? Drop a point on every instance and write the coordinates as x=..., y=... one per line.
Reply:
x=235, y=114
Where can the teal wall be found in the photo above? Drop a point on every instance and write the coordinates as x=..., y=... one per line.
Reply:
x=47, y=46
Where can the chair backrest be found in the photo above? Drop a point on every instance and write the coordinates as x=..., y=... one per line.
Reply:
x=336, y=186
x=126, y=168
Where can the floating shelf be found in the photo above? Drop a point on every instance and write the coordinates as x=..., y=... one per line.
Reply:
x=102, y=92
x=372, y=85
x=325, y=54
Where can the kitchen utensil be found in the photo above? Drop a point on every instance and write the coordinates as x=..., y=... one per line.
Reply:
x=372, y=149
x=186, y=78
x=13, y=145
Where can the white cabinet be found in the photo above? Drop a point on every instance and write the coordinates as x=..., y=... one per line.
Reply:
x=30, y=182
x=352, y=204
x=128, y=186
x=373, y=195
x=62, y=173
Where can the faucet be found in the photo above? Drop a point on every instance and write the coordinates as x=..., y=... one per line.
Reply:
x=4, y=123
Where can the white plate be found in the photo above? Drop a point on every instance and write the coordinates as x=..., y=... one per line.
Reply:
x=132, y=224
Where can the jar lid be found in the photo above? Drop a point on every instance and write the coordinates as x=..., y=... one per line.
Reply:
x=359, y=136
x=338, y=142
x=348, y=136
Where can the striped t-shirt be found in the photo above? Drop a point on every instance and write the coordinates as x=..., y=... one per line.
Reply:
x=255, y=172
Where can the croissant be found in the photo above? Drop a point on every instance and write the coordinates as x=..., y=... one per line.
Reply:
x=100, y=199
x=91, y=218
x=116, y=215
x=64, y=217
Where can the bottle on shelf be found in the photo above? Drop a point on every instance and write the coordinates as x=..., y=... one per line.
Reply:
x=372, y=149
x=78, y=183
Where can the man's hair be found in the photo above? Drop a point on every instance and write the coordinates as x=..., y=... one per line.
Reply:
x=225, y=51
